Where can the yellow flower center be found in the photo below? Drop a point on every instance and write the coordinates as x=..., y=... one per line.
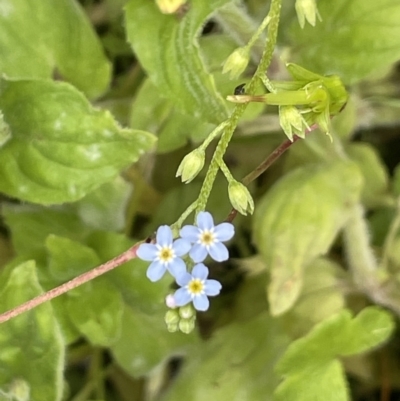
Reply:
x=196, y=286
x=166, y=254
x=207, y=238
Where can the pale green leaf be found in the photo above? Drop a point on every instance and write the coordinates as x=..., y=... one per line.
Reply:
x=354, y=39
x=101, y=317
x=315, y=355
x=236, y=364
x=38, y=38
x=375, y=174
x=298, y=220
x=321, y=286
x=60, y=147
x=31, y=346
x=31, y=225
x=105, y=208
x=173, y=60
x=145, y=342
x=67, y=258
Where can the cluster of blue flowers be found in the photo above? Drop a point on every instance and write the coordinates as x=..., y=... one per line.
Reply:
x=199, y=241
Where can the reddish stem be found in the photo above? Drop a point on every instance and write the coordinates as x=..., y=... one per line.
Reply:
x=69, y=285
x=262, y=167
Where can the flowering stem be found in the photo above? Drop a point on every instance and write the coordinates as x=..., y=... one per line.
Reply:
x=69, y=285
x=274, y=14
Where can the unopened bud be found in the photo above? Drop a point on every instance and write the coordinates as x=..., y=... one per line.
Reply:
x=187, y=311
x=170, y=301
x=172, y=317
x=307, y=10
x=191, y=165
x=240, y=198
x=170, y=6
x=187, y=325
x=292, y=122
x=237, y=62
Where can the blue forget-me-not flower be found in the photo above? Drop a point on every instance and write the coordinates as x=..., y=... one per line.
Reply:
x=164, y=254
x=196, y=288
x=207, y=238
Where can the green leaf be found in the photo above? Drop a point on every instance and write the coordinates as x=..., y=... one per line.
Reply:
x=354, y=39
x=298, y=220
x=37, y=39
x=145, y=342
x=321, y=296
x=105, y=208
x=315, y=354
x=60, y=147
x=130, y=279
x=236, y=364
x=80, y=258
x=31, y=348
x=159, y=115
x=374, y=172
x=96, y=310
x=31, y=225
x=169, y=52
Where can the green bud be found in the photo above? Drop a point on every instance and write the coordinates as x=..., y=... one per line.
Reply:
x=172, y=317
x=170, y=6
x=187, y=325
x=237, y=62
x=173, y=327
x=187, y=311
x=20, y=390
x=240, y=198
x=191, y=165
x=307, y=10
x=292, y=122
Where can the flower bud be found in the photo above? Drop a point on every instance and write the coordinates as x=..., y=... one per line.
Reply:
x=187, y=311
x=292, y=122
x=187, y=325
x=170, y=301
x=191, y=165
x=237, y=62
x=307, y=10
x=172, y=317
x=240, y=198
x=170, y=6
x=173, y=327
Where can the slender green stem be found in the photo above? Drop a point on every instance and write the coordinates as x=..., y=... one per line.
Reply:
x=225, y=170
x=274, y=15
x=177, y=225
x=259, y=31
x=213, y=135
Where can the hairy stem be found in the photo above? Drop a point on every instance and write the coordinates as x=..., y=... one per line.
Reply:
x=69, y=285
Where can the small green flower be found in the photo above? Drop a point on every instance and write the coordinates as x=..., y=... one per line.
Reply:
x=317, y=98
x=292, y=122
x=191, y=165
x=240, y=198
x=237, y=62
x=307, y=10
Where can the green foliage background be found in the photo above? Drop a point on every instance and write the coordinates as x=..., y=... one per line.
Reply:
x=100, y=100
